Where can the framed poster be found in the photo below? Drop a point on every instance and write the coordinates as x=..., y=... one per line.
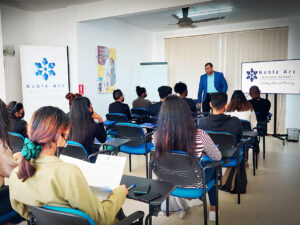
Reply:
x=106, y=69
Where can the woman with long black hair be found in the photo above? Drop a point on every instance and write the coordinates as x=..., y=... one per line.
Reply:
x=176, y=130
x=83, y=127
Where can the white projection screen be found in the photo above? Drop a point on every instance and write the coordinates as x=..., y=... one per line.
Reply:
x=272, y=77
x=153, y=75
x=44, y=71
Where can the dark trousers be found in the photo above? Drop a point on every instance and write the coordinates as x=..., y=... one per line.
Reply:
x=205, y=104
x=210, y=175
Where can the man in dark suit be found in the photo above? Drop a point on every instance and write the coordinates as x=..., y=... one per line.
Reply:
x=211, y=82
x=163, y=91
x=260, y=105
x=118, y=106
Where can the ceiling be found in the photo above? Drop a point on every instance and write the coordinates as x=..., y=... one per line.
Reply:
x=41, y=5
x=242, y=10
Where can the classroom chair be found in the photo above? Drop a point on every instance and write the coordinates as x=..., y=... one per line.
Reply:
x=138, y=144
x=75, y=150
x=180, y=169
x=232, y=152
x=140, y=115
x=16, y=141
x=118, y=118
x=49, y=215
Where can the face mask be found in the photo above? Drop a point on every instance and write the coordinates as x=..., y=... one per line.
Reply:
x=22, y=116
x=123, y=99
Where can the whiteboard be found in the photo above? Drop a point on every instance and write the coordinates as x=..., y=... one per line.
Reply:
x=44, y=71
x=273, y=77
x=153, y=75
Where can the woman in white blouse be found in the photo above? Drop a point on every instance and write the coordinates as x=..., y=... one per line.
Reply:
x=241, y=108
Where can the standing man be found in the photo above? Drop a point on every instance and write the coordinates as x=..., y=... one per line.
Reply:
x=211, y=82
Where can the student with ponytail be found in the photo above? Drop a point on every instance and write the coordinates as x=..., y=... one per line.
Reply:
x=141, y=102
x=43, y=179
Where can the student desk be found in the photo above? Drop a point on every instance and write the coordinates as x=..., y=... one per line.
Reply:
x=114, y=142
x=157, y=186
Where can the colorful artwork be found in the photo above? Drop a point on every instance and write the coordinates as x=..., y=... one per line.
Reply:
x=106, y=69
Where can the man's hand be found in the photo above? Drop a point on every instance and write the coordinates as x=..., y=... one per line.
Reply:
x=198, y=104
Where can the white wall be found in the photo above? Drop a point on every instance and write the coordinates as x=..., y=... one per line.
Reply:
x=2, y=78
x=133, y=45
x=293, y=101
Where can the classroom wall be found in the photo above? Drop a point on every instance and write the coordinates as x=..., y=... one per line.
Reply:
x=133, y=45
x=2, y=78
x=292, y=102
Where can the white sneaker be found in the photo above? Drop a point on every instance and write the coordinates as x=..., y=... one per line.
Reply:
x=212, y=216
x=182, y=214
x=161, y=213
x=194, y=202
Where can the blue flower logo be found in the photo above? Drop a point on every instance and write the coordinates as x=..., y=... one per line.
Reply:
x=45, y=69
x=251, y=75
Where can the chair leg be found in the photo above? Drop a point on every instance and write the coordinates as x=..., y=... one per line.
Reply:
x=147, y=169
x=264, y=147
x=204, y=198
x=256, y=158
x=217, y=199
x=238, y=188
x=129, y=162
x=254, y=161
x=167, y=207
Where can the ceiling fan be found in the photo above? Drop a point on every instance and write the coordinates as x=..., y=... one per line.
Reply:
x=186, y=21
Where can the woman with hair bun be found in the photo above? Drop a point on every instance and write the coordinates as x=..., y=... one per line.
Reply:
x=141, y=102
x=17, y=124
x=43, y=179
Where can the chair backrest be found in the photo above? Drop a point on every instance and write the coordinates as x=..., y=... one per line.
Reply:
x=131, y=131
x=48, y=215
x=140, y=112
x=153, y=119
x=75, y=150
x=225, y=141
x=246, y=125
x=176, y=167
x=16, y=141
x=118, y=117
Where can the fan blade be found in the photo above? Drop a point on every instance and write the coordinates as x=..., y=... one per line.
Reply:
x=175, y=16
x=209, y=19
x=185, y=12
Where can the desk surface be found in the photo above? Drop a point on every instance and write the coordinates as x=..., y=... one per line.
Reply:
x=249, y=134
x=162, y=187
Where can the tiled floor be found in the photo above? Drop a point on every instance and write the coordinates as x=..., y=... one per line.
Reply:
x=273, y=195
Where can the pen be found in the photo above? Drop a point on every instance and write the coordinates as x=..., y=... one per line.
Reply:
x=132, y=186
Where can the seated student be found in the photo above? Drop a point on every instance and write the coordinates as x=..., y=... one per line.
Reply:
x=7, y=162
x=83, y=127
x=241, y=108
x=260, y=105
x=182, y=90
x=176, y=122
x=118, y=106
x=43, y=179
x=163, y=91
x=218, y=121
x=141, y=102
x=16, y=111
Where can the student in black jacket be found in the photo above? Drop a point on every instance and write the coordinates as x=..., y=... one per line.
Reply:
x=163, y=91
x=182, y=90
x=118, y=106
x=83, y=127
x=17, y=124
x=260, y=105
x=218, y=121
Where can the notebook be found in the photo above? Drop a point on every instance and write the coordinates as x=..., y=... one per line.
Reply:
x=106, y=173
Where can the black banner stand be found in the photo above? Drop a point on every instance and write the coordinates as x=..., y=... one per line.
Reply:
x=275, y=135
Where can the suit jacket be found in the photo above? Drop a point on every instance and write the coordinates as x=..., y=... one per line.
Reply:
x=220, y=85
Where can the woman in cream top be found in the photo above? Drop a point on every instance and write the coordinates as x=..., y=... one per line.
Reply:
x=43, y=179
x=241, y=108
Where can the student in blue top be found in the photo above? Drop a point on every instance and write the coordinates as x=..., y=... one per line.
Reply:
x=211, y=82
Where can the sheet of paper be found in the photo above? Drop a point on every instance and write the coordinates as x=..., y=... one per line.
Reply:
x=105, y=174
